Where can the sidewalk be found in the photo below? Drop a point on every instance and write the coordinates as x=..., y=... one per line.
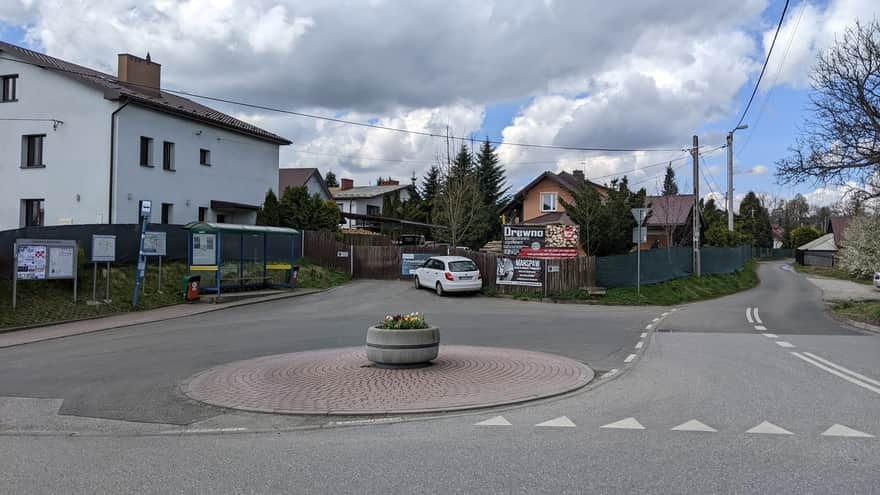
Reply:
x=27, y=336
x=842, y=290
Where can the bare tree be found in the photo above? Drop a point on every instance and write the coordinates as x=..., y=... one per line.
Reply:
x=841, y=143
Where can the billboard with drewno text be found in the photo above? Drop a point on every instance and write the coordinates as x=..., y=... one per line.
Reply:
x=540, y=241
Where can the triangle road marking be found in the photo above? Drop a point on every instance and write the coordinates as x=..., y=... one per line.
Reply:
x=837, y=430
x=625, y=424
x=769, y=428
x=560, y=422
x=694, y=425
x=496, y=421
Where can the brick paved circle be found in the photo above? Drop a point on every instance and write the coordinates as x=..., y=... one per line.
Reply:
x=341, y=381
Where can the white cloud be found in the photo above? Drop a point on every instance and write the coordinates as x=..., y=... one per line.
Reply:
x=756, y=170
x=829, y=195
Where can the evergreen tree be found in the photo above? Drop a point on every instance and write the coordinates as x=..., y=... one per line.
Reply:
x=670, y=187
x=754, y=221
x=298, y=210
x=463, y=164
x=490, y=177
x=431, y=185
x=269, y=214
x=330, y=179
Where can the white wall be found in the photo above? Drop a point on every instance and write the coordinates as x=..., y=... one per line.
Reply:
x=242, y=168
x=314, y=187
x=77, y=154
x=359, y=206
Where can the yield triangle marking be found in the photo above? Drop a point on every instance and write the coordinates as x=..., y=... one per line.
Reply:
x=769, y=428
x=625, y=424
x=496, y=421
x=560, y=422
x=694, y=425
x=845, y=431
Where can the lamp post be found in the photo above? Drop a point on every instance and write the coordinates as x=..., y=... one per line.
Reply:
x=730, y=175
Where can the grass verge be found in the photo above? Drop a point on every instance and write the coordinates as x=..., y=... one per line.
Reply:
x=831, y=272
x=677, y=291
x=312, y=276
x=863, y=311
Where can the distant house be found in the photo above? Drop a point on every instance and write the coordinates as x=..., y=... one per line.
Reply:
x=670, y=222
x=299, y=177
x=778, y=236
x=837, y=226
x=823, y=251
x=539, y=203
x=366, y=200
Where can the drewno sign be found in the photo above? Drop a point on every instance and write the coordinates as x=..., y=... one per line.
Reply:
x=540, y=241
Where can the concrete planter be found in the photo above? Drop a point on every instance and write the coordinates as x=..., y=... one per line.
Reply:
x=409, y=348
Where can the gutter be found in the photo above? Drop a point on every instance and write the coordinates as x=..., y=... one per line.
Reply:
x=112, y=150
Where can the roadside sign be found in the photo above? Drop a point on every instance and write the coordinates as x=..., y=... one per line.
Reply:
x=640, y=214
x=154, y=243
x=342, y=254
x=552, y=268
x=103, y=248
x=640, y=235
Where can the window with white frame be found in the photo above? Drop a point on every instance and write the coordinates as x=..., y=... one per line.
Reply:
x=9, y=88
x=548, y=201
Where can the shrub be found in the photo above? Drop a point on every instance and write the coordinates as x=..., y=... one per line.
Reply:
x=860, y=255
x=404, y=321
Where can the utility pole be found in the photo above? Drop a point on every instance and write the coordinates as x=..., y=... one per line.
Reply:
x=695, y=151
x=730, y=175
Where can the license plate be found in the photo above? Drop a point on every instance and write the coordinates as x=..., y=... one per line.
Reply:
x=465, y=278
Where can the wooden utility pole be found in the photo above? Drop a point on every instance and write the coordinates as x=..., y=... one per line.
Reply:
x=695, y=151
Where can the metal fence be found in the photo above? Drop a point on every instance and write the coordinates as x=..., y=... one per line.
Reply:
x=660, y=265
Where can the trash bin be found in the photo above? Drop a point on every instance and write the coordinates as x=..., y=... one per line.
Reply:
x=191, y=286
x=294, y=275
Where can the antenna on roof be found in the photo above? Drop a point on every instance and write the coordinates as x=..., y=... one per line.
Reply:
x=148, y=56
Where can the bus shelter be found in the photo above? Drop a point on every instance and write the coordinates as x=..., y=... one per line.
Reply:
x=231, y=257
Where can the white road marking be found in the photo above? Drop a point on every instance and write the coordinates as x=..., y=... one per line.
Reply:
x=667, y=313
x=758, y=318
x=749, y=316
x=769, y=428
x=846, y=377
x=625, y=424
x=655, y=320
x=694, y=425
x=496, y=421
x=560, y=422
x=760, y=328
x=643, y=335
x=845, y=431
x=639, y=345
x=770, y=335
x=610, y=373
x=648, y=327
x=629, y=358
x=204, y=430
x=365, y=421
x=841, y=368
x=782, y=343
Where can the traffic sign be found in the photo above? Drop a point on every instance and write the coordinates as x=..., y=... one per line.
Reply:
x=640, y=214
x=640, y=235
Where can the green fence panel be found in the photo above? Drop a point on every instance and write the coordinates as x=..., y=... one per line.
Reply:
x=724, y=259
x=658, y=265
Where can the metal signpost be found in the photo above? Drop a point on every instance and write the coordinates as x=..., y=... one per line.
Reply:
x=154, y=245
x=640, y=235
x=103, y=251
x=146, y=207
x=44, y=259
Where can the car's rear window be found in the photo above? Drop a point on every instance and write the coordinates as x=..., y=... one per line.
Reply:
x=462, y=266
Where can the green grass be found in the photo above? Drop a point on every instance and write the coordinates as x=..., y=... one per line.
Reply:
x=677, y=291
x=831, y=272
x=864, y=311
x=312, y=276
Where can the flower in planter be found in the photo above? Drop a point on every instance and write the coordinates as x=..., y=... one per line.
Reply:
x=402, y=321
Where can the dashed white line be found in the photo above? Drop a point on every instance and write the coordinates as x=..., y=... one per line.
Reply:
x=648, y=327
x=841, y=368
x=639, y=345
x=749, y=316
x=782, y=343
x=757, y=317
x=760, y=328
x=644, y=334
x=629, y=358
x=610, y=373
x=770, y=335
x=833, y=371
x=667, y=313
x=655, y=320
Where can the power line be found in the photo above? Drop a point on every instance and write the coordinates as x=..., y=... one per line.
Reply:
x=764, y=67
x=351, y=122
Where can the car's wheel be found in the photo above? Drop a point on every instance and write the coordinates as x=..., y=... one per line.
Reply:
x=439, y=289
x=416, y=282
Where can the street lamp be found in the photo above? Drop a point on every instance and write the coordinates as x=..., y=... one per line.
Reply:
x=730, y=175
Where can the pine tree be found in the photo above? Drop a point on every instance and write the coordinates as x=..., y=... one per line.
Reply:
x=670, y=187
x=754, y=221
x=330, y=179
x=463, y=164
x=269, y=214
x=493, y=190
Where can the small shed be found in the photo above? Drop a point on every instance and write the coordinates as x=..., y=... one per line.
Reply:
x=242, y=257
x=818, y=252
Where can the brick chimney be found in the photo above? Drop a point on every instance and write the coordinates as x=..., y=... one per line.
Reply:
x=346, y=184
x=389, y=182
x=141, y=71
x=579, y=175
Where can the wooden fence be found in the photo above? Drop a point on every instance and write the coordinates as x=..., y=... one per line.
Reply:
x=385, y=262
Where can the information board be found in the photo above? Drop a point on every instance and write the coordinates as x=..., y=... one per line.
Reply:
x=61, y=262
x=204, y=249
x=31, y=263
x=154, y=243
x=411, y=261
x=520, y=271
x=103, y=248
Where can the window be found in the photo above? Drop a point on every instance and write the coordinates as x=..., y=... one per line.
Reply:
x=205, y=157
x=33, y=212
x=168, y=156
x=166, y=212
x=548, y=201
x=32, y=151
x=10, y=84
x=372, y=210
x=221, y=218
x=146, y=151
x=203, y=213
x=463, y=266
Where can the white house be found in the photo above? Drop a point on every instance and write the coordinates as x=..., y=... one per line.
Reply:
x=366, y=200
x=79, y=146
x=299, y=177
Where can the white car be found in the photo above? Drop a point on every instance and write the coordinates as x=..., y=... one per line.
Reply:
x=877, y=280
x=448, y=274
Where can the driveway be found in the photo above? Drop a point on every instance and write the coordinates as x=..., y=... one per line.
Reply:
x=843, y=290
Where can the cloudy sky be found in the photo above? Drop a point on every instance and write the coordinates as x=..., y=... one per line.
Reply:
x=646, y=74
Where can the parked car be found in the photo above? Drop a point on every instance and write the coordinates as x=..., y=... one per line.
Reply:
x=448, y=274
x=877, y=280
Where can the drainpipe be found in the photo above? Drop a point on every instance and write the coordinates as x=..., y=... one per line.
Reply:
x=112, y=150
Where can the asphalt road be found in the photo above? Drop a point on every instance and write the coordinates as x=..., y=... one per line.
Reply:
x=765, y=405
